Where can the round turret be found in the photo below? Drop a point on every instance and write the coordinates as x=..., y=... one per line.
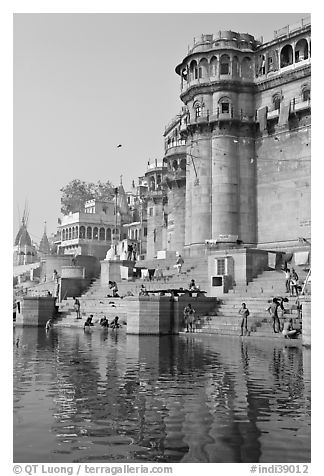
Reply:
x=217, y=88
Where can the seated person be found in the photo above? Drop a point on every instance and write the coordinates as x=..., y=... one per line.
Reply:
x=114, y=289
x=288, y=331
x=104, y=322
x=88, y=322
x=143, y=291
x=114, y=324
x=192, y=286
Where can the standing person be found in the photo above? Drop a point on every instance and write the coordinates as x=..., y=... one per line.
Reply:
x=179, y=263
x=273, y=310
x=129, y=252
x=48, y=324
x=287, y=276
x=77, y=307
x=294, y=283
x=189, y=317
x=244, y=312
x=134, y=252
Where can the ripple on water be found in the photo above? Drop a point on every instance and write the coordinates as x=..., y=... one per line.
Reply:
x=78, y=398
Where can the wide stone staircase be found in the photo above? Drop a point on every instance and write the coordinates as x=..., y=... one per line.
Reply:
x=223, y=320
x=97, y=300
x=257, y=296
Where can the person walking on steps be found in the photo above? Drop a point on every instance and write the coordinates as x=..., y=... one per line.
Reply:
x=244, y=312
x=179, y=263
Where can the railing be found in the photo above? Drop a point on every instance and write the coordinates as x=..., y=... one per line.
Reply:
x=299, y=101
x=286, y=30
x=173, y=145
x=233, y=113
x=295, y=103
x=154, y=165
x=175, y=119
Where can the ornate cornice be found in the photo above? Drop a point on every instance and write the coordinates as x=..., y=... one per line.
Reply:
x=214, y=86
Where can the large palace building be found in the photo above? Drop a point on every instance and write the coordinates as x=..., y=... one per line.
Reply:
x=237, y=161
x=237, y=156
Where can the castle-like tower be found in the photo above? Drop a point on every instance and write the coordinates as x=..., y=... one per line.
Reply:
x=246, y=130
x=217, y=84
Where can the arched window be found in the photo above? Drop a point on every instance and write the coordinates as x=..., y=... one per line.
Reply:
x=203, y=68
x=224, y=64
x=73, y=233
x=301, y=50
x=108, y=234
x=77, y=232
x=184, y=74
x=82, y=232
x=63, y=235
x=183, y=163
x=89, y=233
x=306, y=94
x=247, y=70
x=235, y=67
x=152, y=183
x=136, y=234
x=102, y=234
x=70, y=233
x=262, y=64
x=198, y=109
x=95, y=233
x=286, y=56
x=224, y=105
x=193, y=70
x=276, y=100
x=213, y=66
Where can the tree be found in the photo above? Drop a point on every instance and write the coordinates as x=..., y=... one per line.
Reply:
x=77, y=192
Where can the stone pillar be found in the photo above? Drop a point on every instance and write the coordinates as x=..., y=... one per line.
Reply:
x=200, y=188
x=110, y=271
x=247, y=187
x=176, y=218
x=225, y=188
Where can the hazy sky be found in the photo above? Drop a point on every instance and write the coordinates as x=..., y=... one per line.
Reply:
x=84, y=83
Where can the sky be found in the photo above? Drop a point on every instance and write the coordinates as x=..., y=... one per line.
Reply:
x=85, y=82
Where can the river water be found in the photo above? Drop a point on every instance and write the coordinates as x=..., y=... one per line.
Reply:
x=104, y=396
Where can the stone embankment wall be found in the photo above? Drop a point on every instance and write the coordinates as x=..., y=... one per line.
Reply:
x=158, y=315
x=35, y=311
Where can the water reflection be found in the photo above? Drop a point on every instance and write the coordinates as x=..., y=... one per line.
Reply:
x=105, y=396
